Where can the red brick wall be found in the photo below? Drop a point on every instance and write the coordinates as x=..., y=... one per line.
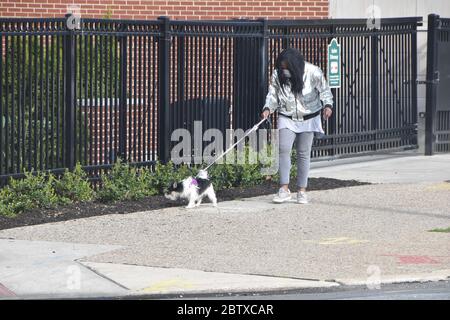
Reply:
x=180, y=10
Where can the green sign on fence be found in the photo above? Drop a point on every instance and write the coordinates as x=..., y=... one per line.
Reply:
x=334, y=64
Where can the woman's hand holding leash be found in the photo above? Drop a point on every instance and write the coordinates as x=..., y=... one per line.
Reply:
x=265, y=114
x=327, y=112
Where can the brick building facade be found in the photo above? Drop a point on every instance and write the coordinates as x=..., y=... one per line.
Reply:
x=179, y=10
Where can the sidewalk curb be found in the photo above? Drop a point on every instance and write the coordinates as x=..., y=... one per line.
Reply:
x=156, y=281
x=434, y=276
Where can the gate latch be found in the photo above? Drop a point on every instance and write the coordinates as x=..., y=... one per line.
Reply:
x=435, y=79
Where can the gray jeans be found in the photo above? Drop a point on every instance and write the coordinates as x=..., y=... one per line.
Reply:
x=304, y=142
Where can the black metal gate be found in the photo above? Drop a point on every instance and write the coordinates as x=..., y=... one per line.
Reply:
x=437, y=126
x=376, y=106
x=119, y=88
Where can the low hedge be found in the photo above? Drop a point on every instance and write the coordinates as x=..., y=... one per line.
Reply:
x=123, y=182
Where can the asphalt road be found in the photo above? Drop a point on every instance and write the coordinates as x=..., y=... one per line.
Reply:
x=405, y=291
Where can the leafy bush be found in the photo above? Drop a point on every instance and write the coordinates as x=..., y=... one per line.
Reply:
x=124, y=183
x=165, y=174
x=34, y=191
x=127, y=183
x=162, y=176
x=74, y=187
x=243, y=174
x=222, y=176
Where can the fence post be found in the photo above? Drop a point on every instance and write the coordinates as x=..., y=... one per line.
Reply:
x=332, y=120
x=69, y=62
x=374, y=86
x=123, y=105
x=263, y=75
x=430, y=111
x=264, y=54
x=163, y=91
x=414, y=67
x=285, y=39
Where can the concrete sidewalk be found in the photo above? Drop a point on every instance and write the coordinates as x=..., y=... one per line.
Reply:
x=400, y=167
x=365, y=235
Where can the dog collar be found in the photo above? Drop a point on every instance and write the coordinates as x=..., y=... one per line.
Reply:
x=194, y=182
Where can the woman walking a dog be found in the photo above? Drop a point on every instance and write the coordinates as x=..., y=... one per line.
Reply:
x=299, y=92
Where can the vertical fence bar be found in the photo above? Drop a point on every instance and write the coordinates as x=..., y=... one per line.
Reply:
x=331, y=125
x=100, y=97
x=116, y=40
x=70, y=98
x=4, y=118
x=41, y=100
x=35, y=128
x=155, y=97
x=195, y=100
x=47, y=100
x=13, y=102
x=91, y=99
x=30, y=101
x=123, y=93
x=129, y=101
x=374, y=87
x=412, y=52
x=19, y=102
x=163, y=88
x=149, y=103
x=430, y=112
x=384, y=105
x=134, y=93
x=9, y=79
x=111, y=100
x=140, y=103
x=2, y=78
x=22, y=107
x=85, y=102
x=264, y=57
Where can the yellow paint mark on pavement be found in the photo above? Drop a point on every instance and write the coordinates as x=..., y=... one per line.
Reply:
x=337, y=241
x=174, y=283
x=440, y=186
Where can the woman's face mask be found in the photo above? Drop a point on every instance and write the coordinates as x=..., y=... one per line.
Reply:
x=287, y=73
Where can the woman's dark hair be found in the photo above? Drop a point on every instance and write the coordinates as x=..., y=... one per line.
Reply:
x=295, y=63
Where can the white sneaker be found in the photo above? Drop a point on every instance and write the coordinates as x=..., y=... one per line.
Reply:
x=302, y=198
x=282, y=196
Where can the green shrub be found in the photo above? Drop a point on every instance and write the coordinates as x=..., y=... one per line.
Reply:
x=250, y=175
x=74, y=187
x=162, y=176
x=9, y=206
x=124, y=183
x=222, y=176
x=228, y=175
x=34, y=191
x=165, y=174
x=183, y=171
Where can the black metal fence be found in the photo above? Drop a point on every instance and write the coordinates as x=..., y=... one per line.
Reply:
x=437, y=135
x=118, y=88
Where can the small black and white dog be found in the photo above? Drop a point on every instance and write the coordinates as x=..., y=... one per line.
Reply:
x=193, y=189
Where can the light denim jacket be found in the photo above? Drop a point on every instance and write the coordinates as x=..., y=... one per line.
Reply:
x=315, y=90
